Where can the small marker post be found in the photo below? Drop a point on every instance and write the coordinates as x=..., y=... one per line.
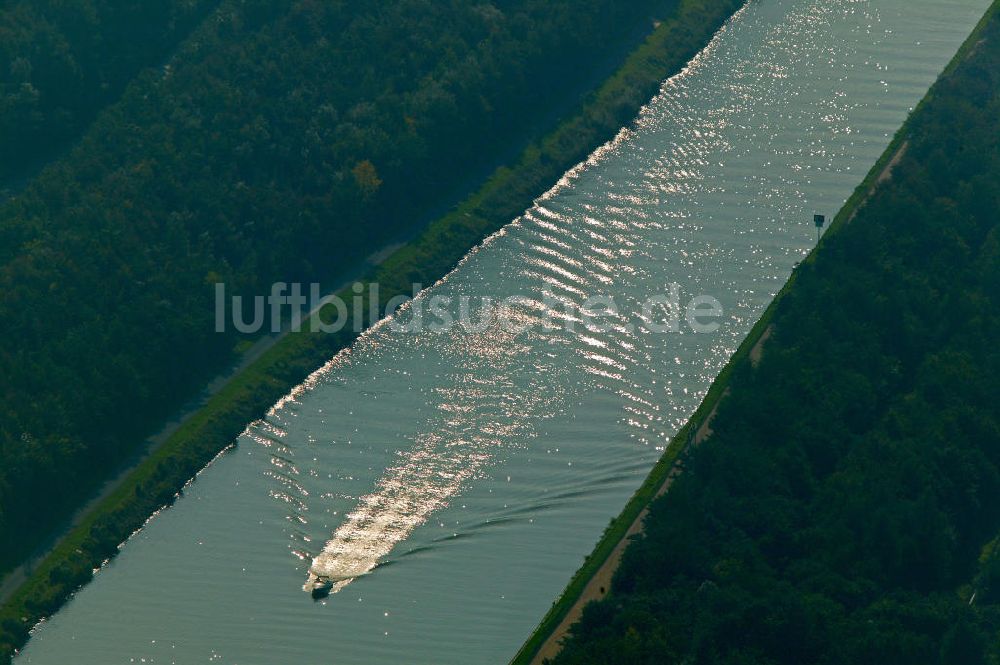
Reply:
x=819, y=220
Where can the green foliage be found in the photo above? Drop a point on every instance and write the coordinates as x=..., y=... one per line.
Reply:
x=61, y=61
x=841, y=511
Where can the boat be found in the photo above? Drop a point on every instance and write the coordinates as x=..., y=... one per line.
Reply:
x=321, y=588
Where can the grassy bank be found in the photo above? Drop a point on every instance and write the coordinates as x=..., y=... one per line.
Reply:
x=640, y=500
x=157, y=481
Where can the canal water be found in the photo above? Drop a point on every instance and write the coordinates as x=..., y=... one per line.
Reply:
x=454, y=477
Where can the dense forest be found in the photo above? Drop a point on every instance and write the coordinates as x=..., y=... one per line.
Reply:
x=847, y=507
x=61, y=61
x=282, y=141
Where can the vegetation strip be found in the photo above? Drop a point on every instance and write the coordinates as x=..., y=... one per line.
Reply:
x=506, y=194
x=640, y=501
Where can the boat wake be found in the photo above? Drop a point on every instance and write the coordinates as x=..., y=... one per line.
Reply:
x=476, y=413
